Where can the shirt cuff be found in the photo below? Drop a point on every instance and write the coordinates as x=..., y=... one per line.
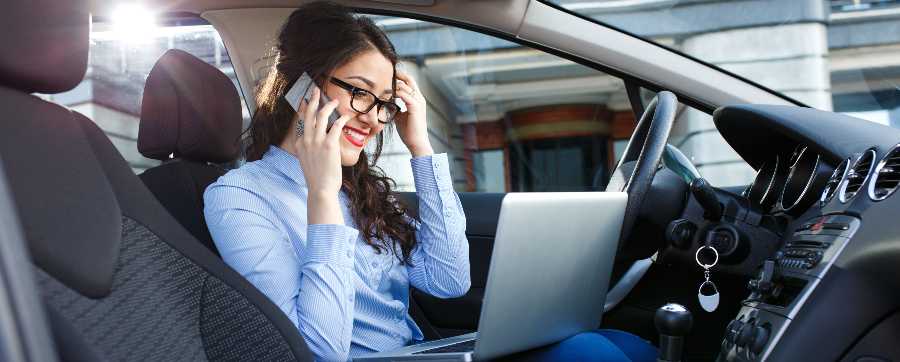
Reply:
x=432, y=172
x=328, y=244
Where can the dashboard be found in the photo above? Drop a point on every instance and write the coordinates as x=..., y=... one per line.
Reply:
x=816, y=232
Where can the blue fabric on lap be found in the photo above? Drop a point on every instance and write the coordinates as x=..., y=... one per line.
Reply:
x=636, y=348
x=598, y=345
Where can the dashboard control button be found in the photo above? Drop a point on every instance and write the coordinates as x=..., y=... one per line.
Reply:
x=681, y=232
x=760, y=338
x=732, y=330
x=744, y=336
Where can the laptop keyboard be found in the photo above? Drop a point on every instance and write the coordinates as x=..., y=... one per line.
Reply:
x=467, y=346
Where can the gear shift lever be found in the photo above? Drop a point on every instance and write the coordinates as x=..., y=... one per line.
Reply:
x=673, y=322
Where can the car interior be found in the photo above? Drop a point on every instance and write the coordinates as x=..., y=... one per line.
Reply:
x=120, y=265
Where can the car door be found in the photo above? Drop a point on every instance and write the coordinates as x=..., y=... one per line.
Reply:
x=511, y=119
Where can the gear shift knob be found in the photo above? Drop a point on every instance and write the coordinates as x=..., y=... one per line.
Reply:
x=673, y=322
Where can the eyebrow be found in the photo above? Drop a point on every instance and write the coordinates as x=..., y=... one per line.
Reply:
x=370, y=83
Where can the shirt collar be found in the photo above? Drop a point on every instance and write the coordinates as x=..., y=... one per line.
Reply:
x=286, y=163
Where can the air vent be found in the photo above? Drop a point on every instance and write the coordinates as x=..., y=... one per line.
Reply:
x=834, y=182
x=886, y=176
x=857, y=175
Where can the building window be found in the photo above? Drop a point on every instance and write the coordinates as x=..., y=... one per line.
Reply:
x=560, y=164
x=489, y=171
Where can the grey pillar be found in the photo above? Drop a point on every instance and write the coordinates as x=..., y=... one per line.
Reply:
x=790, y=58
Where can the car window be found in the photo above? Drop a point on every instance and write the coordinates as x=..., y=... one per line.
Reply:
x=517, y=119
x=511, y=118
x=120, y=60
x=836, y=55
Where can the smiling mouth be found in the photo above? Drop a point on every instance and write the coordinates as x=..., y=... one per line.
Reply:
x=354, y=136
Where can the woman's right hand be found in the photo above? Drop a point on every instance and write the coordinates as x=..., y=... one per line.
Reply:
x=319, y=152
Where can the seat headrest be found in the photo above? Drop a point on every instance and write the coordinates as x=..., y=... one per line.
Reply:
x=45, y=44
x=190, y=109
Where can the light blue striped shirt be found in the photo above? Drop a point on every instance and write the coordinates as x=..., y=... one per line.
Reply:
x=345, y=299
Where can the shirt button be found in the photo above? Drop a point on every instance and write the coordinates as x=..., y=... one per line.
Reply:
x=374, y=264
x=349, y=254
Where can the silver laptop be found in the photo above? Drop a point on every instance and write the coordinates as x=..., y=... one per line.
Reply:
x=549, y=273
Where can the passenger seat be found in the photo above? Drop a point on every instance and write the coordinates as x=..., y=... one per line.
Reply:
x=190, y=120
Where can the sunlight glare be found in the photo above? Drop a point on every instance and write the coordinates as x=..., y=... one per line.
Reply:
x=133, y=23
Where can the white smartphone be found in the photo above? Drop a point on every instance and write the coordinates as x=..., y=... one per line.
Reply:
x=400, y=104
x=302, y=89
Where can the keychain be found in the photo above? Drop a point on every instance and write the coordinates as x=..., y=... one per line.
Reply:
x=709, y=301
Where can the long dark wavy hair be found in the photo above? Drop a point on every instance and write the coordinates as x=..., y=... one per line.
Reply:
x=318, y=38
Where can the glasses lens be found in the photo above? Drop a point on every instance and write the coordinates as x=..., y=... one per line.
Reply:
x=387, y=112
x=362, y=101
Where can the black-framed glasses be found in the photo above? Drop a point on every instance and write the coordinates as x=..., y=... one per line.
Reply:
x=362, y=101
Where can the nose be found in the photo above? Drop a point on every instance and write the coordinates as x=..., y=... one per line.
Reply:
x=370, y=118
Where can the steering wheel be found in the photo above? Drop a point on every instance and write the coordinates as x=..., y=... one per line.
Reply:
x=634, y=175
x=634, y=172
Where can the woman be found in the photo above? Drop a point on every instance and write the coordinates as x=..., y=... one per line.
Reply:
x=310, y=222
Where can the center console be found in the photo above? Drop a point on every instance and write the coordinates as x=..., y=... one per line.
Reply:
x=783, y=286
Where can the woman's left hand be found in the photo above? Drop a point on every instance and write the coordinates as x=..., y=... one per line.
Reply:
x=411, y=125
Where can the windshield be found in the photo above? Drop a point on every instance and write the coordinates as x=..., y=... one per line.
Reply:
x=838, y=55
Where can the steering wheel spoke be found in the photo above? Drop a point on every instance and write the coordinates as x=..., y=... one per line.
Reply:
x=634, y=172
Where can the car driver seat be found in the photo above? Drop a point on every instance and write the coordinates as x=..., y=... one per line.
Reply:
x=190, y=120
x=120, y=278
